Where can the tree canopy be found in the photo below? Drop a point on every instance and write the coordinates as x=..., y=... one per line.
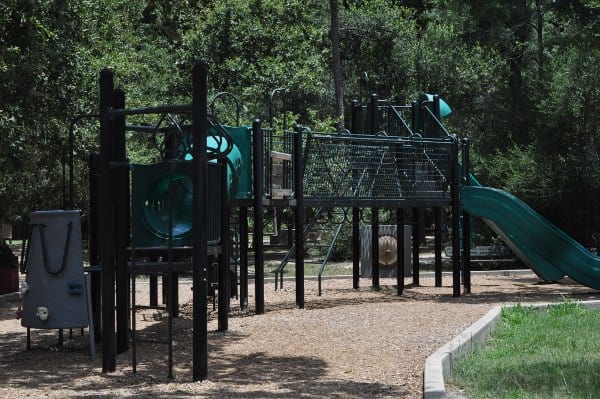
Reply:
x=522, y=77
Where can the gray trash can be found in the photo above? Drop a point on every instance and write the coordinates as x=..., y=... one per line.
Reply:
x=54, y=293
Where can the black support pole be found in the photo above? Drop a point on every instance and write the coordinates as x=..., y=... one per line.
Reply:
x=259, y=179
x=400, y=251
x=121, y=174
x=299, y=216
x=106, y=220
x=455, y=188
x=200, y=220
x=466, y=221
x=373, y=115
x=437, y=221
x=415, y=246
x=153, y=286
x=223, y=282
x=375, y=247
x=243, y=257
x=93, y=249
x=355, y=248
x=355, y=117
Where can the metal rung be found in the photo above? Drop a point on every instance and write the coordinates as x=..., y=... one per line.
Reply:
x=280, y=193
x=144, y=307
x=150, y=267
x=281, y=156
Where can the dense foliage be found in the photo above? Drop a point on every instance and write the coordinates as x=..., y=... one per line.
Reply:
x=522, y=77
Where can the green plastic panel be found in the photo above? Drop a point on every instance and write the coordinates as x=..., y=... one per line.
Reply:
x=151, y=203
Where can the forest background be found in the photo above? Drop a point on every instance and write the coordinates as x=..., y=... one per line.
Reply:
x=522, y=76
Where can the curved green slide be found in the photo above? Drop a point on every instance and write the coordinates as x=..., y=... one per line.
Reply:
x=549, y=251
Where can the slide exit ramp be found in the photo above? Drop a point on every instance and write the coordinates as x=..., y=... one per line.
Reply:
x=549, y=251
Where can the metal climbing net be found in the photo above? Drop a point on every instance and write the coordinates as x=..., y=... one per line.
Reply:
x=339, y=168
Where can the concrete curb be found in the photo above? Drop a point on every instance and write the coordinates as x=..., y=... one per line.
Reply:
x=438, y=366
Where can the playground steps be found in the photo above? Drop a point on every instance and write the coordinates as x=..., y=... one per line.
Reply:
x=320, y=235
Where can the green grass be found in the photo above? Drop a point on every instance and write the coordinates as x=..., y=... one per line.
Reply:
x=533, y=354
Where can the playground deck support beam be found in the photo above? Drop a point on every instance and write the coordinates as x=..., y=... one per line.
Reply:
x=373, y=115
x=375, y=247
x=399, y=251
x=355, y=248
x=121, y=176
x=466, y=221
x=223, y=282
x=106, y=220
x=437, y=220
x=259, y=177
x=415, y=246
x=200, y=221
x=355, y=122
x=355, y=115
x=243, y=257
x=93, y=250
x=299, y=217
x=455, y=193
x=414, y=113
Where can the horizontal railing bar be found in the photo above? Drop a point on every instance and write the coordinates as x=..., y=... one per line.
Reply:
x=184, y=108
x=372, y=202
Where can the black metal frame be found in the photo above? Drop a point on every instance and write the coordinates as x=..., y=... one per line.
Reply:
x=110, y=211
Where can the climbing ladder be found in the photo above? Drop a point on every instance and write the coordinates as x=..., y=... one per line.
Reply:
x=320, y=235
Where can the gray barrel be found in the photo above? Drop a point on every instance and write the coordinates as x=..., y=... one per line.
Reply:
x=54, y=293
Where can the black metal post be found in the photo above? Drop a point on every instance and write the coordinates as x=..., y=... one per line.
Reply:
x=106, y=220
x=455, y=189
x=93, y=250
x=414, y=111
x=355, y=248
x=436, y=112
x=355, y=117
x=437, y=242
x=299, y=216
x=400, y=251
x=415, y=246
x=466, y=221
x=373, y=115
x=121, y=174
x=74, y=121
x=153, y=286
x=223, y=283
x=243, y=257
x=259, y=178
x=200, y=220
x=375, y=247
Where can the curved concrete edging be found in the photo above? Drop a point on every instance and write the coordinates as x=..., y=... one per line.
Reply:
x=438, y=366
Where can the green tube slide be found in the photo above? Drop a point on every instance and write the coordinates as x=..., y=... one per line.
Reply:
x=549, y=251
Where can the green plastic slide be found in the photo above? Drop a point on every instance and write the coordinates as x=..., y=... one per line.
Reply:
x=545, y=248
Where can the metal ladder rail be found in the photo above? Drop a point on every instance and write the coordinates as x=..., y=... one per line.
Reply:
x=292, y=251
x=401, y=120
x=279, y=270
x=377, y=171
x=328, y=254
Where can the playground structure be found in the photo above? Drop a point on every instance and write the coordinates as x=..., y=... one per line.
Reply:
x=176, y=216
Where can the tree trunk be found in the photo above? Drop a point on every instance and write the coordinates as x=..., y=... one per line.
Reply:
x=336, y=63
